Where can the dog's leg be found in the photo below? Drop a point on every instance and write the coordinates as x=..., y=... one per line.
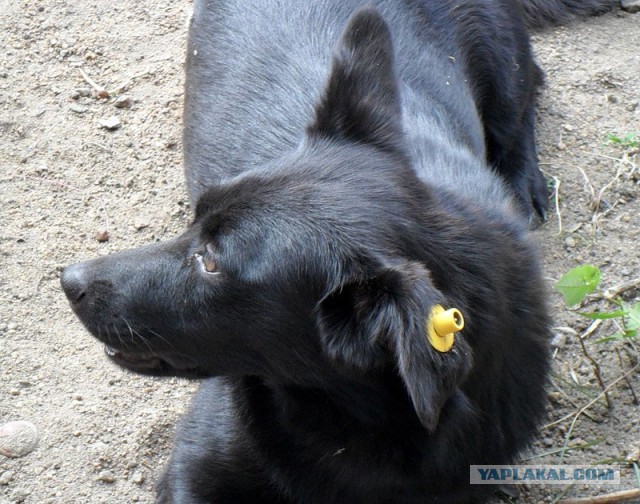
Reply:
x=212, y=459
x=506, y=79
x=515, y=158
x=528, y=181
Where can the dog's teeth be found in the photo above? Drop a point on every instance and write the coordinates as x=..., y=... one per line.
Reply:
x=110, y=351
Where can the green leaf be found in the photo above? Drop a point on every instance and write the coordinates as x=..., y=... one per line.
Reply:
x=575, y=284
x=618, y=336
x=625, y=141
x=612, y=138
x=633, y=312
x=604, y=315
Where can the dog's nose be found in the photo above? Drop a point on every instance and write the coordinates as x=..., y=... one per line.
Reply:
x=74, y=283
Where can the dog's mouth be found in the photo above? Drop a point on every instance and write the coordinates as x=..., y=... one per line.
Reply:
x=133, y=361
x=150, y=364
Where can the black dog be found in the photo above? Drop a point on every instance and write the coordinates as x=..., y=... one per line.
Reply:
x=338, y=200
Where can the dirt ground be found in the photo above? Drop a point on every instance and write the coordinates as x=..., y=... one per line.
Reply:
x=66, y=183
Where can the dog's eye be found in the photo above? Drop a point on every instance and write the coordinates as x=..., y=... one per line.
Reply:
x=207, y=260
x=209, y=264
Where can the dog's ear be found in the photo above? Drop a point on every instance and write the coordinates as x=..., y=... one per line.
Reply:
x=361, y=102
x=366, y=322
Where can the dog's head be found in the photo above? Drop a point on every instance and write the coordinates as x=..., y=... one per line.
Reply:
x=318, y=264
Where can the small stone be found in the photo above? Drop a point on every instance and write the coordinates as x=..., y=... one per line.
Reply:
x=14, y=392
x=103, y=93
x=6, y=477
x=559, y=340
x=547, y=441
x=111, y=123
x=84, y=92
x=78, y=397
x=20, y=494
x=555, y=397
x=106, y=476
x=138, y=478
x=102, y=236
x=570, y=242
x=141, y=222
x=632, y=6
x=12, y=326
x=18, y=438
x=634, y=455
x=568, y=127
x=78, y=109
x=123, y=101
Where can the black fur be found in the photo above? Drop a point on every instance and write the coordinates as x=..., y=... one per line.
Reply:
x=542, y=13
x=339, y=196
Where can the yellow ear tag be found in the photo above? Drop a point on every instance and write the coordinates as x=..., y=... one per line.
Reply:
x=442, y=325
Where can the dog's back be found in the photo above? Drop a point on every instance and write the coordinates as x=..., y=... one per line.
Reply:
x=257, y=68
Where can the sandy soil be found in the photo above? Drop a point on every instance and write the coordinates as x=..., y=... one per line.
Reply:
x=66, y=182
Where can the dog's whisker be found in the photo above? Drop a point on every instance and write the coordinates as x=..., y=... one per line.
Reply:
x=135, y=333
x=163, y=339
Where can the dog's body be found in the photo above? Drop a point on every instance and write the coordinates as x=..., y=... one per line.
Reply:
x=338, y=199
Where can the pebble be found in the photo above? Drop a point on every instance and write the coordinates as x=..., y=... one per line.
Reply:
x=84, y=92
x=634, y=455
x=555, y=397
x=559, y=340
x=631, y=5
x=102, y=236
x=570, y=242
x=18, y=438
x=106, y=476
x=111, y=123
x=6, y=477
x=138, y=478
x=141, y=222
x=78, y=109
x=123, y=101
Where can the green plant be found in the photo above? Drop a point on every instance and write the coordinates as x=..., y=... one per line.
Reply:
x=578, y=282
x=626, y=141
x=575, y=284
